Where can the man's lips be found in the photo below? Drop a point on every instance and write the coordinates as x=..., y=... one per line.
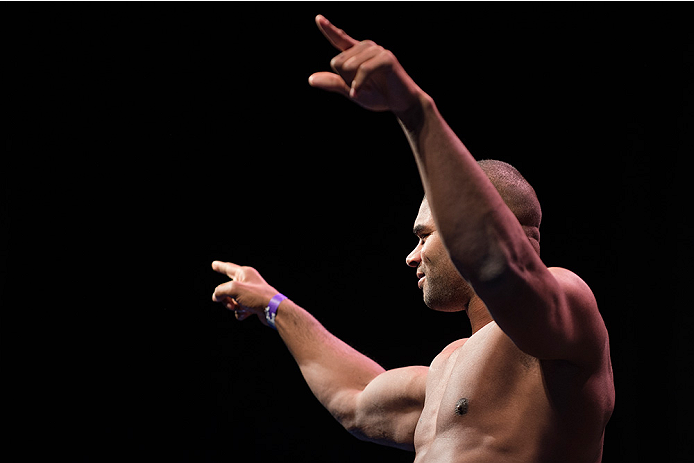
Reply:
x=421, y=277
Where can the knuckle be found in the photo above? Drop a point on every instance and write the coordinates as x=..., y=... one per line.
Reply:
x=336, y=62
x=387, y=55
x=227, y=289
x=248, y=270
x=350, y=65
x=364, y=70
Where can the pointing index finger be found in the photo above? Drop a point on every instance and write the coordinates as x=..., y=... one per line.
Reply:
x=337, y=37
x=226, y=268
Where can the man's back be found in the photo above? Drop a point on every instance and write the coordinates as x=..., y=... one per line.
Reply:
x=488, y=401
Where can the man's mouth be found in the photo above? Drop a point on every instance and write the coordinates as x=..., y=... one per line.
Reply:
x=421, y=277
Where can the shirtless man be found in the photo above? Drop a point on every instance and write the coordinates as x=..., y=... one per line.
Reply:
x=533, y=383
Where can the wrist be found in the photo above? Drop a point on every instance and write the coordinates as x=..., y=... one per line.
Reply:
x=271, y=309
x=413, y=117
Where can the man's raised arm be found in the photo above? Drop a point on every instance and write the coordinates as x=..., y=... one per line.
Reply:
x=371, y=403
x=548, y=314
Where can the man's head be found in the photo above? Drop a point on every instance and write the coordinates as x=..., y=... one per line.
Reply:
x=518, y=195
x=444, y=288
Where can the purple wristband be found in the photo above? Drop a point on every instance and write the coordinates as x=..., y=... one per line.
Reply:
x=271, y=309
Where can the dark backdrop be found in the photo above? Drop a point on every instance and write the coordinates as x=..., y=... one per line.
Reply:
x=147, y=140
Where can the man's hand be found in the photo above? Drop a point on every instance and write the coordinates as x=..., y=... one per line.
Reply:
x=246, y=294
x=366, y=73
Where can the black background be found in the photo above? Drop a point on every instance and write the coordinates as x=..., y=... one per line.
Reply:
x=146, y=140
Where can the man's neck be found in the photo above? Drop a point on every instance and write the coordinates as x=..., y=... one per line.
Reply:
x=478, y=314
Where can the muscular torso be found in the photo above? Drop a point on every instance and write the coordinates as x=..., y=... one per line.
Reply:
x=516, y=407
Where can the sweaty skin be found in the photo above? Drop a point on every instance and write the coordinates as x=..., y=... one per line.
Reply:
x=532, y=384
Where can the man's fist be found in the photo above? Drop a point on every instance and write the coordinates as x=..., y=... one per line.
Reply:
x=246, y=294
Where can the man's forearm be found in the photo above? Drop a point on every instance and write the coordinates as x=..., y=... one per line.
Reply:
x=333, y=370
x=475, y=224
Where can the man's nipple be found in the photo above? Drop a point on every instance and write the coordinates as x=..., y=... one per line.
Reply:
x=461, y=407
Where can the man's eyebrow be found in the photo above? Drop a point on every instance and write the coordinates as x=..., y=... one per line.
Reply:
x=420, y=229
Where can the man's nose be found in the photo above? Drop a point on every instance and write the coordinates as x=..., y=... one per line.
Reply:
x=415, y=257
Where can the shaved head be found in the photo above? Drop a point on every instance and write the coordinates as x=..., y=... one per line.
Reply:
x=518, y=195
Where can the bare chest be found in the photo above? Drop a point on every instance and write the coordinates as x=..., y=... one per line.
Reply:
x=475, y=388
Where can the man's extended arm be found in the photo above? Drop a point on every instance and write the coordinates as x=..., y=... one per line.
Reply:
x=373, y=404
x=548, y=314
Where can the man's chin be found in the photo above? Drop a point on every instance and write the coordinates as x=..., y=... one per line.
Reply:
x=444, y=306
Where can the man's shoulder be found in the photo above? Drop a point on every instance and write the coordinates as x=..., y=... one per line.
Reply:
x=565, y=275
x=447, y=351
x=580, y=299
x=590, y=330
x=578, y=295
x=571, y=284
